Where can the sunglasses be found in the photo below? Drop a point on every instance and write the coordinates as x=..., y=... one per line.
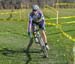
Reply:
x=34, y=10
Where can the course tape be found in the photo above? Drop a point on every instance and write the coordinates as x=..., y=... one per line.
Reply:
x=66, y=17
x=71, y=22
x=65, y=3
x=64, y=33
x=67, y=35
x=14, y=12
x=54, y=9
x=9, y=13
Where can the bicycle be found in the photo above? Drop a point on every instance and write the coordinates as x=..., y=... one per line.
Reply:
x=38, y=37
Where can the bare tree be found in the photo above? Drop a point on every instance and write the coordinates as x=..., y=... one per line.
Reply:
x=28, y=3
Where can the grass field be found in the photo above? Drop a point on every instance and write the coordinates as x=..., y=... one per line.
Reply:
x=14, y=41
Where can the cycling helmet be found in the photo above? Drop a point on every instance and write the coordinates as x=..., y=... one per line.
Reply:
x=35, y=7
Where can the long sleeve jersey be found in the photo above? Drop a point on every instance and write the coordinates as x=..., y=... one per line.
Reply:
x=36, y=18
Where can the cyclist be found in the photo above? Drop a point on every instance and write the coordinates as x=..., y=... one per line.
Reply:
x=36, y=17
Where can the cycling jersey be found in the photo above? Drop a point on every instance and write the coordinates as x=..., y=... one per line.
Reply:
x=37, y=19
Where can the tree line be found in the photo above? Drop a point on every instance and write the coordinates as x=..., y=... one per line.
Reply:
x=16, y=4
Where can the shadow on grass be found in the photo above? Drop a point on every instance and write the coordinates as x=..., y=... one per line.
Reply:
x=27, y=51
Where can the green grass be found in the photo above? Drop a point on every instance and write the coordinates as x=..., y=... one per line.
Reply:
x=14, y=40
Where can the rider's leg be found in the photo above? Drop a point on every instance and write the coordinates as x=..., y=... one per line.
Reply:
x=44, y=36
x=42, y=28
x=43, y=32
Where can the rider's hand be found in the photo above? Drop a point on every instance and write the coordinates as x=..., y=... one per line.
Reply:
x=29, y=34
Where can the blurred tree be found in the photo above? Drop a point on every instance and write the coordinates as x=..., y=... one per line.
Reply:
x=28, y=3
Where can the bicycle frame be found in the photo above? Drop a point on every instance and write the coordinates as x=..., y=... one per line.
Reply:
x=40, y=40
x=38, y=35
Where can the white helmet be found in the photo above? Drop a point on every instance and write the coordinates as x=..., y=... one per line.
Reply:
x=35, y=7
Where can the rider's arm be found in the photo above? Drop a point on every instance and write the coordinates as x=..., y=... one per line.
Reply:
x=30, y=24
